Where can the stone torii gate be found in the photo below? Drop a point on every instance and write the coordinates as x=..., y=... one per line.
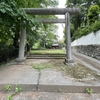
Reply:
x=50, y=11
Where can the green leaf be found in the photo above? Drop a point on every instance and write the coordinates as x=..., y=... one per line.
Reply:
x=9, y=97
x=3, y=10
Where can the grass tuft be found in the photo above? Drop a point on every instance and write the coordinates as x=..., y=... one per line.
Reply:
x=42, y=66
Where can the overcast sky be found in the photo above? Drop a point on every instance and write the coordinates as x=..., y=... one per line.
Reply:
x=60, y=29
x=62, y=3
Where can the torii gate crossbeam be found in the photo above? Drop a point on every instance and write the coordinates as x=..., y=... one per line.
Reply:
x=50, y=20
x=51, y=11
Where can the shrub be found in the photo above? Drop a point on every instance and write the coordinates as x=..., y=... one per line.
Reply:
x=93, y=14
x=96, y=26
x=84, y=31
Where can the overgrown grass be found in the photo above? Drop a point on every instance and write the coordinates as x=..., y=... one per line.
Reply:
x=42, y=66
x=48, y=51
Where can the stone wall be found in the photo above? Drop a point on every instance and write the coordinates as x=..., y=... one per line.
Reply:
x=88, y=45
x=89, y=50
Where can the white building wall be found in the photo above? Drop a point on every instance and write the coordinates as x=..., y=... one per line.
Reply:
x=90, y=39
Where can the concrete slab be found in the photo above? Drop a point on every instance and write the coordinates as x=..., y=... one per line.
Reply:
x=51, y=80
x=89, y=62
x=56, y=96
x=54, y=77
x=35, y=95
x=46, y=80
x=18, y=74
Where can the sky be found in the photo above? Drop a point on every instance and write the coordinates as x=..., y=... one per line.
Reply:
x=61, y=26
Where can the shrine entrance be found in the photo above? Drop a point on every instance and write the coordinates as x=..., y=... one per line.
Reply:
x=51, y=11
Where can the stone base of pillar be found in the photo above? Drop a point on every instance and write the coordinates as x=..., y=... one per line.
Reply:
x=69, y=62
x=20, y=60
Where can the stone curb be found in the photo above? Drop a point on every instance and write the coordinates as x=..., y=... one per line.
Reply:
x=53, y=88
x=68, y=88
x=25, y=87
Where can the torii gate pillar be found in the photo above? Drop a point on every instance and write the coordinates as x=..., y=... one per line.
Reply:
x=68, y=59
x=21, y=58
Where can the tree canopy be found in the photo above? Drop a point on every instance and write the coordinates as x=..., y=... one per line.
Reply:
x=88, y=20
x=12, y=17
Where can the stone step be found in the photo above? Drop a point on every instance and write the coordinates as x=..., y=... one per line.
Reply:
x=49, y=55
x=45, y=57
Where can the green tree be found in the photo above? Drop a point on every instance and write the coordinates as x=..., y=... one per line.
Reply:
x=61, y=43
x=80, y=21
x=93, y=14
x=12, y=16
x=36, y=3
x=11, y=20
x=33, y=37
x=47, y=35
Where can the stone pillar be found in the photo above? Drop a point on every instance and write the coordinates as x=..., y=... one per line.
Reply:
x=68, y=59
x=21, y=57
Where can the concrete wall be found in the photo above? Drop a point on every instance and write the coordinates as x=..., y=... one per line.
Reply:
x=90, y=39
x=88, y=45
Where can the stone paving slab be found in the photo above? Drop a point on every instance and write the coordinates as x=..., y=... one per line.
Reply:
x=49, y=80
x=44, y=80
x=53, y=77
x=18, y=74
x=90, y=62
x=35, y=95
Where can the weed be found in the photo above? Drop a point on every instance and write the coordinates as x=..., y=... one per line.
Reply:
x=39, y=67
x=42, y=66
x=8, y=87
x=88, y=90
x=59, y=90
x=17, y=89
x=9, y=97
x=63, y=68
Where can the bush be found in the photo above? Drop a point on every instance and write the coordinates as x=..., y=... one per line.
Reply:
x=86, y=30
x=93, y=13
x=76, y=35
x=80, y=32
x=96, y=26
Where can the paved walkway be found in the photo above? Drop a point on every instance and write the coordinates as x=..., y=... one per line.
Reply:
x=36, y=95
x=92, y=63
x=50, y=80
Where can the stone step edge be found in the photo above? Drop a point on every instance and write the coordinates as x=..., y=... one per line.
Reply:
x=45, y=58
x=53, y=88
x=49, y=54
